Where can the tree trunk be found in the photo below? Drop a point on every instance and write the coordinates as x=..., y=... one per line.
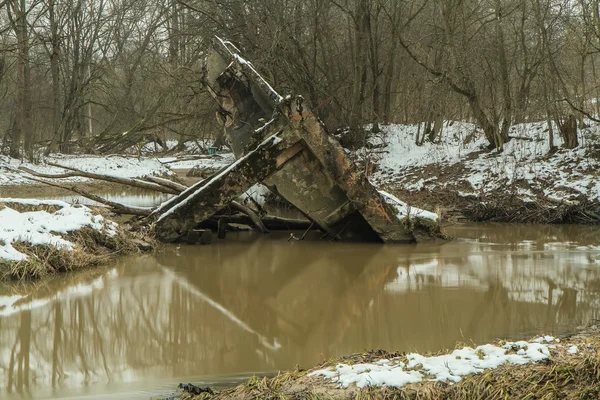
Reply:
x=493, y=134
x=55, y=73
x=568, y=131
x=360, y=18
x=551, y=146
x=23, y=98
x=504, y=81
x=174, y=47
x=418, y=141
x=389, y=78
x=375, y=72
x=435, y=134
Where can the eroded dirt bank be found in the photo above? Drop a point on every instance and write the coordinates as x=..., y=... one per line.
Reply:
x=457, y=175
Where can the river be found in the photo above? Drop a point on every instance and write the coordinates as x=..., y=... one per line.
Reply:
x=259, y=303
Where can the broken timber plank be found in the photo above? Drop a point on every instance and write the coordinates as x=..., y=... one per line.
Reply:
x=323, y=183
x=363, y=196
x=204, y=199
x=292, y=154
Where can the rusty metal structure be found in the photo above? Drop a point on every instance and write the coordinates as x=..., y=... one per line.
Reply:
x=278, y=141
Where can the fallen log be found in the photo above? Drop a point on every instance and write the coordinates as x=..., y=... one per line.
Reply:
x=234, y=204
x=270, y=222
x=247, y=216
x=256, y=221
x=191, y=158
x=117, y=207
x=157, y=184
x=166, y=183
x=108, y=178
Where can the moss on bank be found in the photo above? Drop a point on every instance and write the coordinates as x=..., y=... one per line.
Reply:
x=564, y=375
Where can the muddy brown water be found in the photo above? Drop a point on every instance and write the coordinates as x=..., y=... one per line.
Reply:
x=260, y=303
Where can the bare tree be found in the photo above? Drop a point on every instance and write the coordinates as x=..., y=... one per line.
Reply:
x=17, y=11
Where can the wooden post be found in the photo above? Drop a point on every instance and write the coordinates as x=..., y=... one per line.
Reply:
x=205, y=236
x=222, y=228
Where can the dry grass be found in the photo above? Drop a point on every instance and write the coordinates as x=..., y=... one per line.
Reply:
x=20, y=207
x=563, y=376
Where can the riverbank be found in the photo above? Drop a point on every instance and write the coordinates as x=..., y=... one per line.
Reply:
x=42, y=237
x=545, y=367
x=525, y=182
x=456, y=176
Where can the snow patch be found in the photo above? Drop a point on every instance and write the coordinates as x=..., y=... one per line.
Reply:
x=445, y=368
x=404, y=210
x=545, y=339
x=44, y=228
x=257, y=192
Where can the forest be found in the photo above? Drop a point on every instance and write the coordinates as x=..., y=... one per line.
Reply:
x=76, y=75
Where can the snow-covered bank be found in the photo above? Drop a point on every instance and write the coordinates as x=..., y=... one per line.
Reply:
x=461, y=165
x=445, y=368
x=43, y=227
x=118, y=166
x=44, y=236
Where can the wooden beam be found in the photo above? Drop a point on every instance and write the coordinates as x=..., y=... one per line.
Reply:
x=203, y=200
x=364, y=197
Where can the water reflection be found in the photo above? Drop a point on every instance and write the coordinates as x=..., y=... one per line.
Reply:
x=254, y=303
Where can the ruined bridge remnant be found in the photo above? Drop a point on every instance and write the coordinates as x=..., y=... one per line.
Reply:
x=279, y=142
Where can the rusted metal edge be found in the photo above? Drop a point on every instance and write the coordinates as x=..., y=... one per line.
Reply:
x=231, y=53
x=381, y=216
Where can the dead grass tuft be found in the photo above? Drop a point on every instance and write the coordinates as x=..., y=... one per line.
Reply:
x=20, y=207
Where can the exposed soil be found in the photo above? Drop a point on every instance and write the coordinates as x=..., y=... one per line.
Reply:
x=446, y=195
